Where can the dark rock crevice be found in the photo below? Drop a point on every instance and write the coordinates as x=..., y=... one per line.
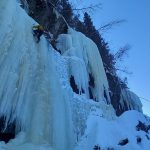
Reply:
x=123, y=142
x=142, y=127
x=7, y=133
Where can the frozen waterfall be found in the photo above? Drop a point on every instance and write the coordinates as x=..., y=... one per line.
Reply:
x=29, y=83
x=46, y=96
x=84, y=61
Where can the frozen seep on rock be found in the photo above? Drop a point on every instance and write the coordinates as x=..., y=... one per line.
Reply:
x=130, y=101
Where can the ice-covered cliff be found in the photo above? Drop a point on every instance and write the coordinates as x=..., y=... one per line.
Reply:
x=30, y=85
x=84, y=65
x=46, y=97
x=32, y=96
x=130, y=101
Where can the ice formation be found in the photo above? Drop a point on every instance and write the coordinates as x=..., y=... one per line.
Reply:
x=29, y=83
x=131, y=100
x=84, y=59
x=35, y=90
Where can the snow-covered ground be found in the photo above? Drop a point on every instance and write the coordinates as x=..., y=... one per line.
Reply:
x=107, y=134
x=35, y=91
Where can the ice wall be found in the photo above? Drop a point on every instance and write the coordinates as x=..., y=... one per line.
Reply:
x=29, y=83
x=84, y=59
x=131, y=100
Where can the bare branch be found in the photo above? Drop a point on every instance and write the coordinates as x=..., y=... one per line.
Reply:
x=89, y=8
x=124, y=71
x=110, y=25
x=122, y=52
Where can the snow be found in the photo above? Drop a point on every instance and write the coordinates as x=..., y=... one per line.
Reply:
x=107, y=134
x=82, y=108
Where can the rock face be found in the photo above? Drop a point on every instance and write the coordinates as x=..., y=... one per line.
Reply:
x=6, y=133
x=45, y=14
x=123, y=142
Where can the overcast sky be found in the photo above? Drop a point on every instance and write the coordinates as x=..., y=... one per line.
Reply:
x=136, y=32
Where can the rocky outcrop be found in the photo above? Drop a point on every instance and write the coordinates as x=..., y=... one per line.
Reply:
x=45, y=14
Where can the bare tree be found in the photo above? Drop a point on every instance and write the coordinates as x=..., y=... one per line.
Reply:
x=119, y=56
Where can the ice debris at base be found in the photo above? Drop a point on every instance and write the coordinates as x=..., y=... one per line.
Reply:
x=35, y=90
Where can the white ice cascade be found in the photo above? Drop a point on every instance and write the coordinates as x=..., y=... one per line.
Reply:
x=29, y=83
x=131, y=100
x=84, y=59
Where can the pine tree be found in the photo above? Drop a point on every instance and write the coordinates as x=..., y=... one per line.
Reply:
x=40, y=4
x=78, y=25
x=67, y=11
x=54, y=2
x=89, y=27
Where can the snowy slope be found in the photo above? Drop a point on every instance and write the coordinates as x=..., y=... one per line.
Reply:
x=108, y=134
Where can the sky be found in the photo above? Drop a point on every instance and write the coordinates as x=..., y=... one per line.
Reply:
x=136, y=32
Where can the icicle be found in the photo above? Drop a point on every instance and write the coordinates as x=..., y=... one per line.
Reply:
x=131, y=99
x=84, y=60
